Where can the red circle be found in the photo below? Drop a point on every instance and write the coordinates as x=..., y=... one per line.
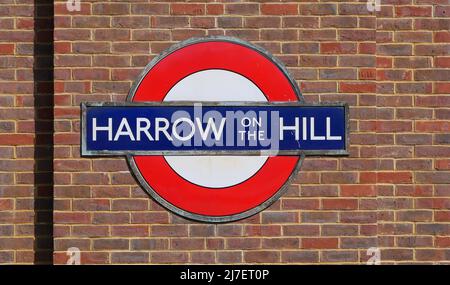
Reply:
x=164, y=180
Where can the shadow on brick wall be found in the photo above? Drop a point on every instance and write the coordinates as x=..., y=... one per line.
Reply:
x=43, y=146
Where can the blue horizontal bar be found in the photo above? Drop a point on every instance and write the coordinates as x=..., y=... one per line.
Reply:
x=167, y=129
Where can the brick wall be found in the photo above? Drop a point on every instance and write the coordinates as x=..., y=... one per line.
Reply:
x=413, y=60
x=26, y=131
x=392, y=192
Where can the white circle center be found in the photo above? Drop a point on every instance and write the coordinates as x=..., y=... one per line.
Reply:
x=215, y=171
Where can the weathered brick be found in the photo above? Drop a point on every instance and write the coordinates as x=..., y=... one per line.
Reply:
x=72, y=217
x=243, y=243
x=339, y=204
x=411, y=11
x=262, y=22
x=229, y=22
x=242, y=9
x=169, y=230
x=111, y=218
x=389, y=66
x=262, y=256
x=187, y=9
x=133, y=22
x=300, y=22
x=279, y=9
x=110, y=244
x=339, y=256
x=229, y=256
x=149, y=244
x=129, y=257
x=299, y=256
x=187, y=244
x=319, y=243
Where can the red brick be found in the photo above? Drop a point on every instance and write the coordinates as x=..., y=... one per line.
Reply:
x=433, y=203
x=169, y=230
x=187, y=9
x=262, y=230
x=384, y=62
x=434, y=126
x=319, y=243
x=111, y=218
x=214, y=9
x=339, y=204
x=6, y=204
x=279, y=217
x=91, y=205
x=442, y=164
x=229, y=230
x=394, y=177
x=442, y=216
x=413, y=11
x=7, y=48
x=336, y=21
x=187, y=244
x=149, y=244
x=357, y=87
x=72, y=217
x=442, y=242
x=262, y=256
x=318, y=35
x=432, y=151
x=150, y=9
x=16, y=243
x=280, y=243
x=243, y=243
x=299, y=256
x=441, y=177
x=441, y=11
x=203, y=257
x=442, y=37
x=16, y=139
x=430, y=255
x=300, y=204
x=129, y=257
x=169, y=257
x=203, y=22
x=319, y=217
x=279, y=9
x=355, y=35
x=120, y=178
x=134, y=22
x=130, y=205
x=338, y=48
x=358, y=191
x=339, y=256
x=150, y=218
x=110, y=244
x=413, y=164
x=318, y=9
x=229, y=256
x=130, y=231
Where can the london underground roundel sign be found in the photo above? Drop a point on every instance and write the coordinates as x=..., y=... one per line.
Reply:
x=214, y=129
